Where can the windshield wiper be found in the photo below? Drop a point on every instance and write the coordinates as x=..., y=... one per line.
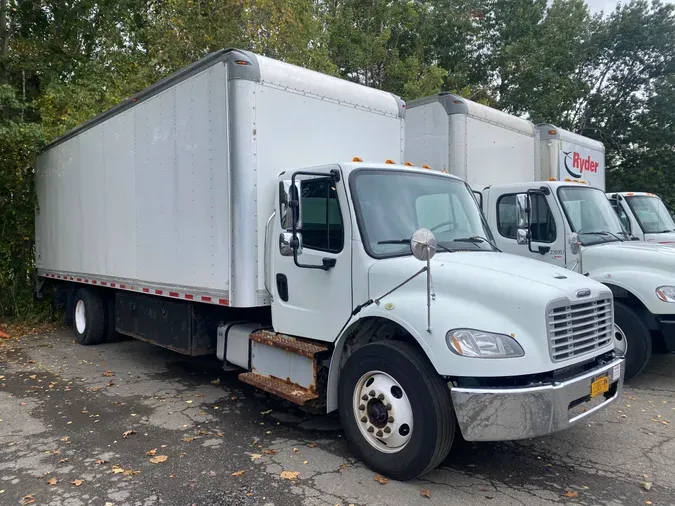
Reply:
x=475, y=240
x=602, y=233
x=407, y=241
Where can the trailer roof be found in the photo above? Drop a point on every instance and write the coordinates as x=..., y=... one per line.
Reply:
x=247, y=65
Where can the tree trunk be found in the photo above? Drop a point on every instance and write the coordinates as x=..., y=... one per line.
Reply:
x=4, y=39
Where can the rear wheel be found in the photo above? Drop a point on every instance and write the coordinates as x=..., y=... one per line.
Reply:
x=88, y=317
x=395, y=410
x=637, y=341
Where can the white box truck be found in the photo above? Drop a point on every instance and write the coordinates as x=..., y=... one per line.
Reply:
x=562, y=222
x=566, y=155
x=214, y=213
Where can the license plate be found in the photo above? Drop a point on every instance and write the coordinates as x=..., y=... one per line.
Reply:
x=599, y=386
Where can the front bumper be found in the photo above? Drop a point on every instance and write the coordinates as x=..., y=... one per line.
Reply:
x=503, y=414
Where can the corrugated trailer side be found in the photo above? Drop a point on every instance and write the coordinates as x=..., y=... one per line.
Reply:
x=140, y=198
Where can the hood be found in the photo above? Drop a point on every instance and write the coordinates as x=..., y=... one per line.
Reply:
x=485, y=275
x=631, y=254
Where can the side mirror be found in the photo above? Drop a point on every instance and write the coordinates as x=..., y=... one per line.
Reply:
x=286, y=243
x=575, y=244
x=289, y=204
x=522, y=236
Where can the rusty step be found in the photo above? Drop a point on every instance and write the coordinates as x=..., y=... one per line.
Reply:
x=276, y=386
x=288, y=343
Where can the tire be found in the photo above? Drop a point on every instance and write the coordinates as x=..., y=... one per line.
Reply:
x=638, y=339
x=424, y=392
x=88, y=317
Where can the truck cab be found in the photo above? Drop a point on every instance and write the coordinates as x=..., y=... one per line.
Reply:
x=573, y=225
x=645, y=216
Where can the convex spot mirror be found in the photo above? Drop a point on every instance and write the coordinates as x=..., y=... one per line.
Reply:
x=423, y=244
x=523, y=215
x=575, y=244
x=286, y=243
x=289, y=204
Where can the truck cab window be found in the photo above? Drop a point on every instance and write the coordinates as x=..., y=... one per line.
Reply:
x=322, y=227
x=623, y=217
x=542, y=222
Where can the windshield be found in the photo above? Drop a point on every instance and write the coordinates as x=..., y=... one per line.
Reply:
x=392, y=204
x=651, y=214
x=590, y=215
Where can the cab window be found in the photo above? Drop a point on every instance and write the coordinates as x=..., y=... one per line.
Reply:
x=542, y=222
x=322, y=227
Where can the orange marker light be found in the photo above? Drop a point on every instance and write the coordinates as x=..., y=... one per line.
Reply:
x=630, y=194
x=552, y=179
x=357, y=159
x=408, y=164
x=552, y=132
x=425, y=166
x=390, y=162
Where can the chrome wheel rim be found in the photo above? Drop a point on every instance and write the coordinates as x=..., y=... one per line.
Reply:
x=383, y=412
x=80, y=317
x=620, y=341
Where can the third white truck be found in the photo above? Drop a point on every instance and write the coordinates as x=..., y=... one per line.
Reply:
x=533, y=185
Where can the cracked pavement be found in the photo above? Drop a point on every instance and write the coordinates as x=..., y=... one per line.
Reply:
x=64, y=410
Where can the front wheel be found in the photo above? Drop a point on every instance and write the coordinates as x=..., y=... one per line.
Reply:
x=632, y=337
x=395, y=410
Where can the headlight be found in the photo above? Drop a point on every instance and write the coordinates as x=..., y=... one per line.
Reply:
x=476, y=343
x=666, y=293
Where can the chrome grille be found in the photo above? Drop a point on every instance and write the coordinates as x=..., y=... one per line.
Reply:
x=578, y=328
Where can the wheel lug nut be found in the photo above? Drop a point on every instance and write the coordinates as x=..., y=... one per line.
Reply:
x=362, y=407
x=370, y=429
x=372, y=393
x=390, y=419
x=381, y=397
x=388, y=406
x=387, y=430
x=364, y=397
x=364, y=419
x=379, y=433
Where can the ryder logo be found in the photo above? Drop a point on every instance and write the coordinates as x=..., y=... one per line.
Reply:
x=576, y=165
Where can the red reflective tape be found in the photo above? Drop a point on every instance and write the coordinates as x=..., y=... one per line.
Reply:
x=223, y=302
x=158, y=292
x=79, y=279
x=112, y=284
x=103, y=283
x=123, y=286
x=86, y=281
x=206, y=299
x=58, y=276
x=189, y=296
x=146, y=290
x=93, y=281
x=71, y=278
x=173, y=294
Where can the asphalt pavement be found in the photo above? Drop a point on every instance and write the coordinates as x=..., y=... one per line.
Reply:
x=130, y=424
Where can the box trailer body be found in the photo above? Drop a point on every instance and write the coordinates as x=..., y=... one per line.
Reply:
x=565, y=155
x=542, y=199
x=170, y=191
x=215, y=213
x=470, y=140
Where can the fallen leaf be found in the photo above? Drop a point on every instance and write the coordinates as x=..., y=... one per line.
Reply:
x=159, y=459
x=425, y=493
x=645, y=476
x=305, y=462
x=101, y=462
x=27, y=499
x=238, y=473
x=220, y=434
x=77, y=483
x=255, y=456
x=380, y=479
x=189, y=402
x=63, y=461
x=647, y=485
x=266, y=412
x=128, y=433
x=32, y=376
x=151, y=453
x=648, y=502
x=65, y=439
x=295, y=450
x=108, y=504
x=189, y=439
x=290, y=475
x=571, y=494
x=108, y=374
x=312, y=445
x=270, y=452
x=52, y=481
x=117, y=470
x=216, y=381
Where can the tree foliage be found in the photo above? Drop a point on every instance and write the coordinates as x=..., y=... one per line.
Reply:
x=610, y=77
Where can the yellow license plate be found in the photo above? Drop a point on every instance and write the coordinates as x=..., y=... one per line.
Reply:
x=599, y=386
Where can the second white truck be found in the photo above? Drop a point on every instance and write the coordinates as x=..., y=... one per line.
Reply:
x=524, y=177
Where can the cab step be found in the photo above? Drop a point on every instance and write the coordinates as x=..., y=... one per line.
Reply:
x=285, y=366
x=293, y=393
